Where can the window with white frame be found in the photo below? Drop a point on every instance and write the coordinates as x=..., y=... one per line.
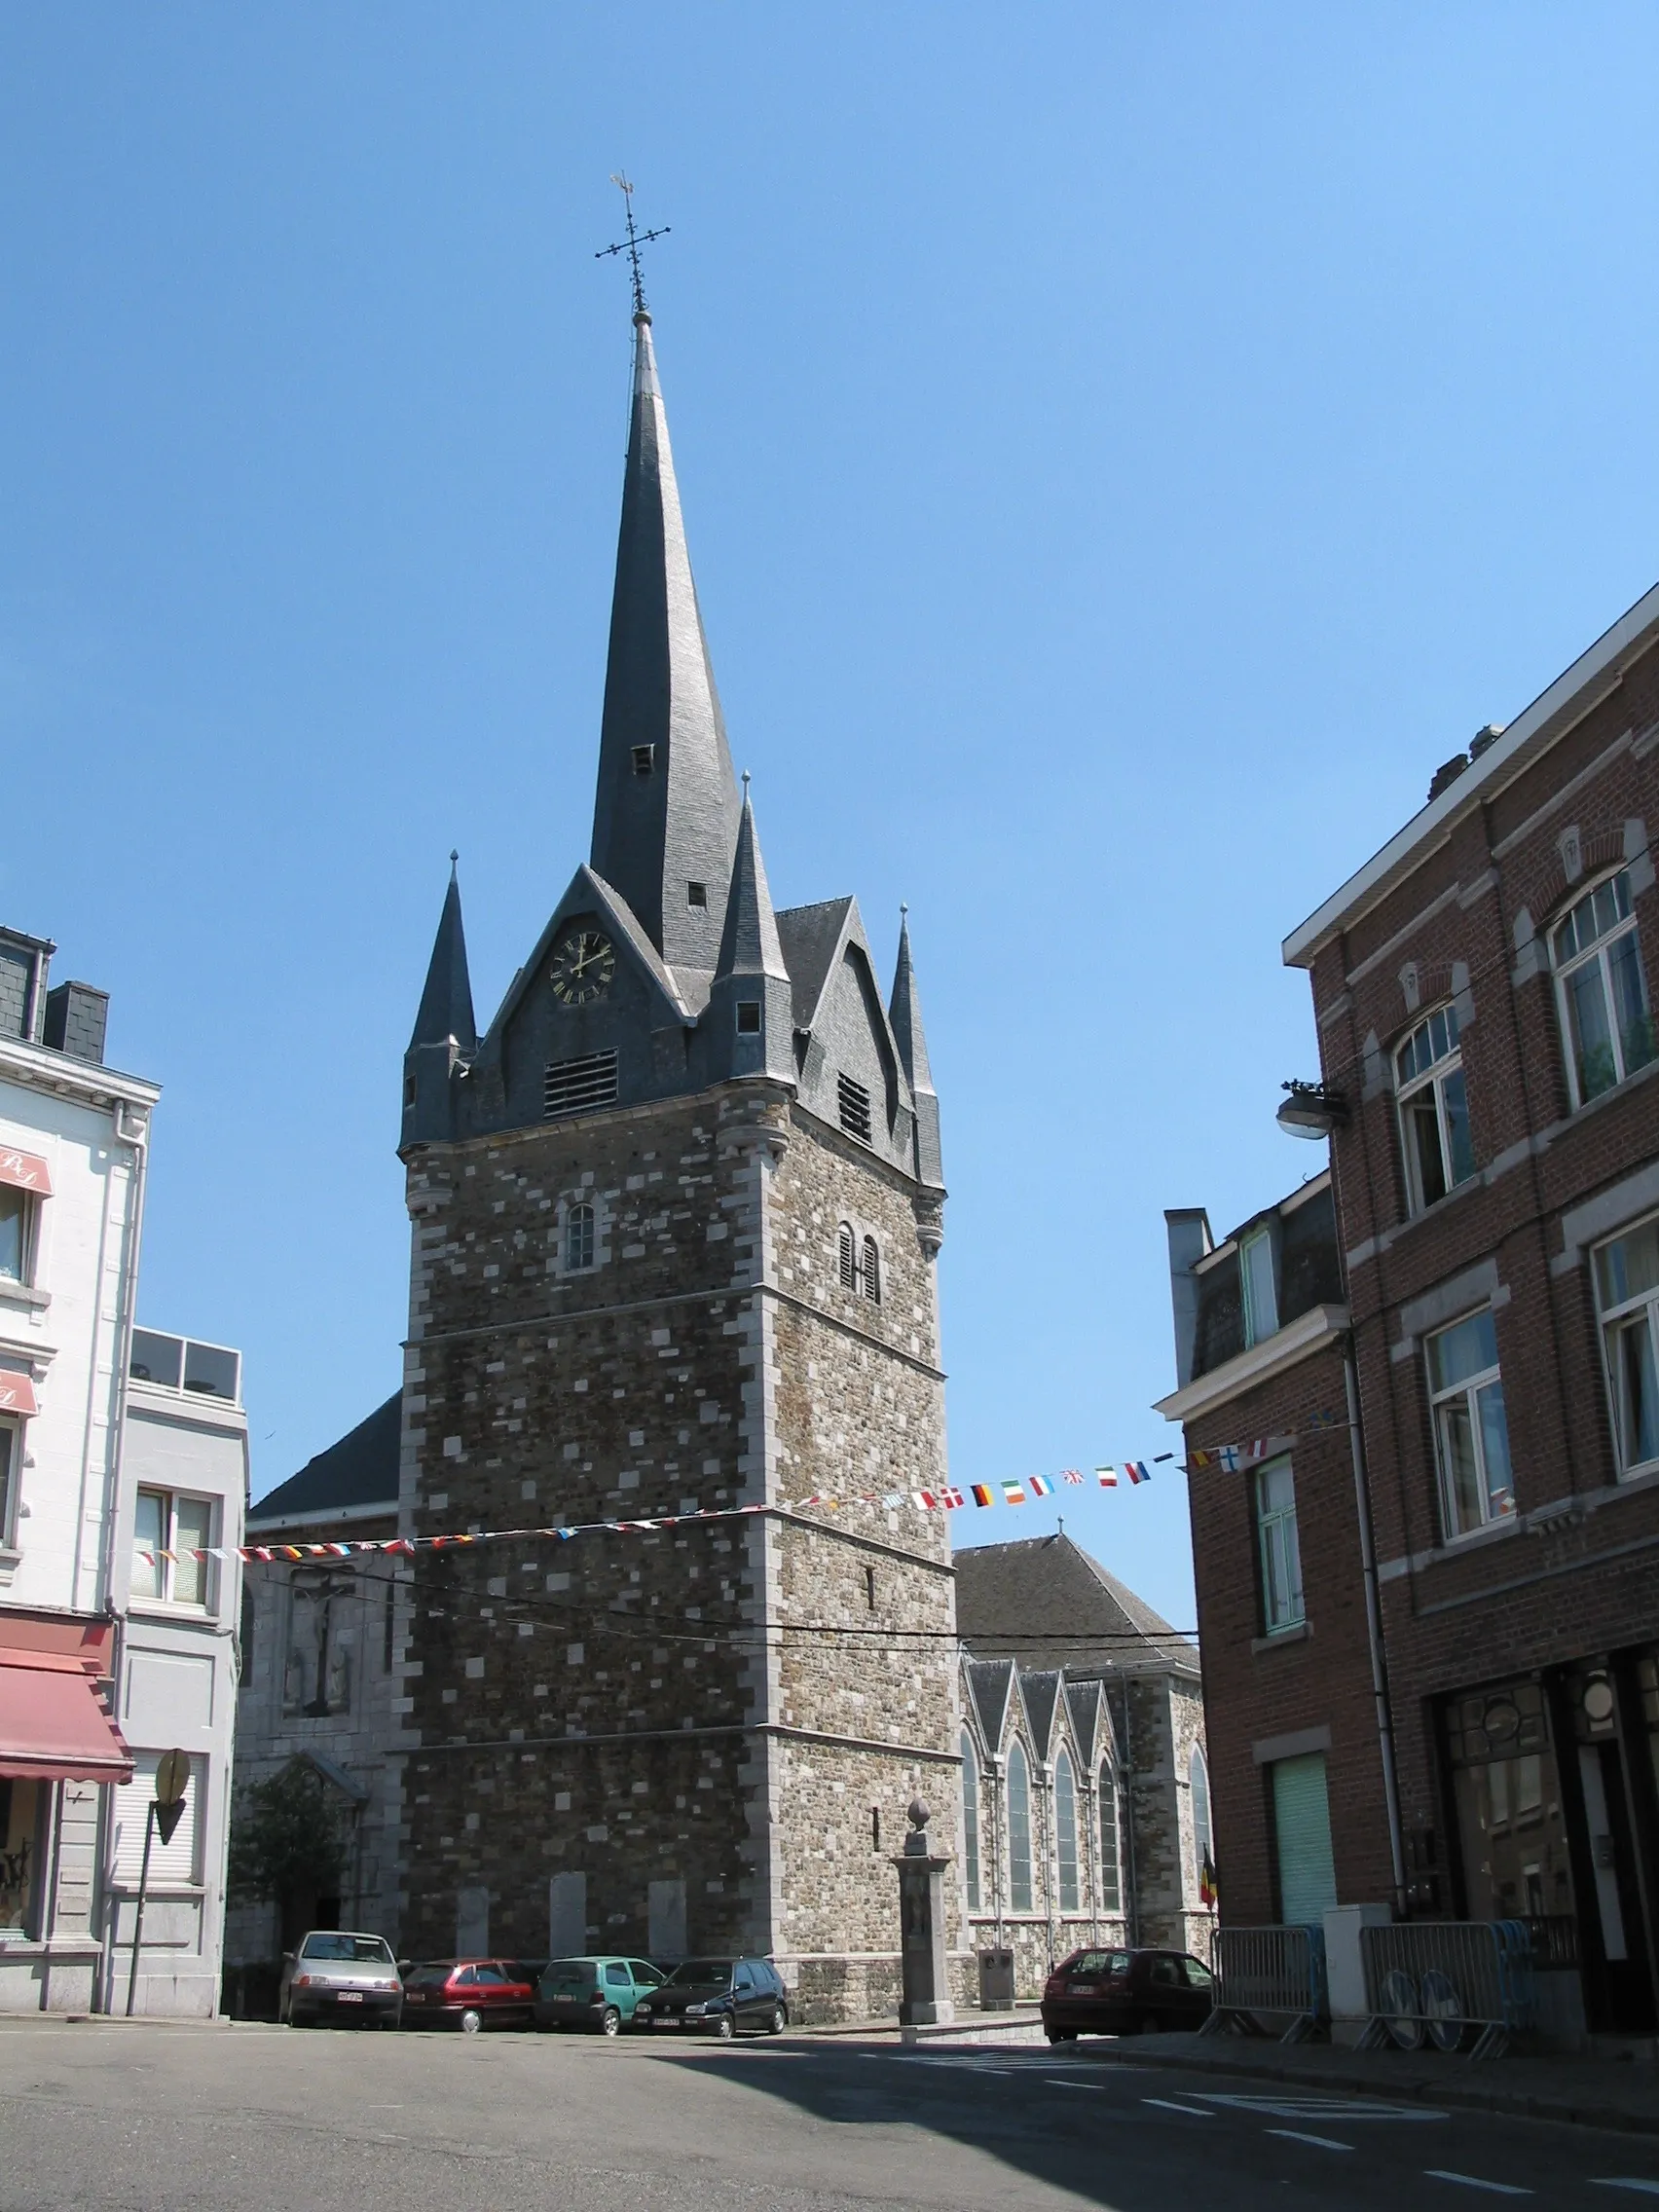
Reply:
x=1203, y=1841
x=1605, y=1023
x=1065, y=1833
x=578, y=1238
x=1434, y=1109
x=1111, y=1888
x=971, y=1821
x=1018, y=1830
x=1278, y=1546
x=16, y=1220
x=1255, y=1282
x=1471, y=1430
x=170, y=1534
x=1627, y=1300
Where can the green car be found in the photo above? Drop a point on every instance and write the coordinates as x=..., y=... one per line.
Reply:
x=598, y=1995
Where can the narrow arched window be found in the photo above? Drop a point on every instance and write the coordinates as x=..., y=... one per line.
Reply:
x=971, y=1821
x=849, y=1257
x=1111, y=1887
x=578, y=1238
x=1065, y=1832
x=1018, y=1830
x=871, y=1271
x=1197, y=1773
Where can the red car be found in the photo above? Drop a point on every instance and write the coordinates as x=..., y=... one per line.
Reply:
x=470, y=1994
x=1126, y=1993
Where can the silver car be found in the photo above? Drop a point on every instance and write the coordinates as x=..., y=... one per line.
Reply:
x=340, y=1975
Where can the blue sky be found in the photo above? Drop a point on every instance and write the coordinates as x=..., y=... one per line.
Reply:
x=1123, y=450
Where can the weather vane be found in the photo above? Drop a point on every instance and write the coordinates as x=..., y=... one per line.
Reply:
x=630, y=244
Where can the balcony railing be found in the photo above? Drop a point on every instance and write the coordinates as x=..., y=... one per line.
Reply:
x=179, y=1363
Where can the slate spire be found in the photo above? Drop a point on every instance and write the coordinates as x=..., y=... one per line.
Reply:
x=665, y=815
x=446, y=1003
x=905, y=1011
x=751, y=1001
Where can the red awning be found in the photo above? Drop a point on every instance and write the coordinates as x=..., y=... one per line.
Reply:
x=52, y=1726
x=26, y=1171
x=17, y=1393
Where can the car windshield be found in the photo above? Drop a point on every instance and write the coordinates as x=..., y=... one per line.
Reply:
x=357, y=1950
x=569, y=1973
x=701, y=1974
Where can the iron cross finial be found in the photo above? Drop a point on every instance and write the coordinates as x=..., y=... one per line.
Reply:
x=630, y=244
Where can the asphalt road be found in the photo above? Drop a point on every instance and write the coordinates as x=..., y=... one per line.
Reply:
x=106, y=2117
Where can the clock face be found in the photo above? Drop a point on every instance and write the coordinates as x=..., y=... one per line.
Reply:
x=584, y=961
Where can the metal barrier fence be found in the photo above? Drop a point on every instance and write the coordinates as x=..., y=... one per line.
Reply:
x=1441, y=1980
x=1268, y=1974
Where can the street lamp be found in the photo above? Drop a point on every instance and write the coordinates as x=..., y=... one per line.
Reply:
x=1311, y=1110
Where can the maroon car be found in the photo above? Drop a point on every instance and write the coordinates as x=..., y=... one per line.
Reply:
x=1126, y=1993
x=470, y=1994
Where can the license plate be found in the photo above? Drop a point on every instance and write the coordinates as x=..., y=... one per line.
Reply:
x=564, y=2000
x=350, y=1997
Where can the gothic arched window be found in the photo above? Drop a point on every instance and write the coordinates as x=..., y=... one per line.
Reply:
x=871, y=1271
x=578, y=1238
x=847, y=1250
x=971, y=1821
x=1111, y=1888
x=1018, y=1830
x=1065, y=1832
x=1197, y=1773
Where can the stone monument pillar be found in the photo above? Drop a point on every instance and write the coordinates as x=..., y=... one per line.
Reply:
x=925, y=1999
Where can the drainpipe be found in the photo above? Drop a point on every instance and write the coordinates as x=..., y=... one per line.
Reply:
x=1374, y=1629
x=997, y=1787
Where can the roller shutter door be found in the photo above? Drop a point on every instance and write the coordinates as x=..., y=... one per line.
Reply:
x=1302, y=1827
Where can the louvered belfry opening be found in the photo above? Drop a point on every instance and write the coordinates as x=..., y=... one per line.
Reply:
x=849, y=1258
x=853, y=1100
x=578, y=1086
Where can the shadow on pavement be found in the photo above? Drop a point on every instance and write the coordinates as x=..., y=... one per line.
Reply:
x=1040, y=2113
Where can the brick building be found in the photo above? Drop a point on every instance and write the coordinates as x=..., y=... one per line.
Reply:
x=675, y=1218
x=1482, y=990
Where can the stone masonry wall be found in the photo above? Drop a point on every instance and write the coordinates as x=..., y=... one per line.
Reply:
x=614, y=1706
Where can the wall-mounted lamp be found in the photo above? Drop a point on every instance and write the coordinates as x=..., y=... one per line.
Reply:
x=1311, y=1110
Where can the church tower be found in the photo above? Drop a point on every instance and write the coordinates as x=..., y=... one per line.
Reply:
x=674, y=1219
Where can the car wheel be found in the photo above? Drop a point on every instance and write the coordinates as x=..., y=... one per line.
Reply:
x=725, y=2027
x=472, y=2021
x=612, y=2023
x=778, y=2022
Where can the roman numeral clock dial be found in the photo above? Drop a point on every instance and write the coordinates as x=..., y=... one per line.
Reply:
x=584, y=961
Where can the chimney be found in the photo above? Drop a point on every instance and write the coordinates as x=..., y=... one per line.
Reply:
x=1446, y=774
x=1488, y=735
x=1189, y=1240
x=76, y=1018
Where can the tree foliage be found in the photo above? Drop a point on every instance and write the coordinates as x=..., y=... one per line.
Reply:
x=288, y=1837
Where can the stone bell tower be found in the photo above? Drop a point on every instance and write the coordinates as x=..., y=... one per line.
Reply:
x=674, y=1219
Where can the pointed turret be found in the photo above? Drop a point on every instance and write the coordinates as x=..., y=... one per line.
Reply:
x=905, y=1011
x=446, y=1003
x=751, y=1002
x=666, y=811
x=445, y=1031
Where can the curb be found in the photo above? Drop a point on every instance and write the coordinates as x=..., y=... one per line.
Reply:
x=1509, y=2104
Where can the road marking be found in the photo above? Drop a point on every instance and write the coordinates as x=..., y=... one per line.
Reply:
x=1321, y=2142
x=1625, y=2181
x=1474, y=2181
x=1059, y=2082
x=1320, y=2108
x=1191, y=2112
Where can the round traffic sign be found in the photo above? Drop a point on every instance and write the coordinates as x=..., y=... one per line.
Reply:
x=172, y=1774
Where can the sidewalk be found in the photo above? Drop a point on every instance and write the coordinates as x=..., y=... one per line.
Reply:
x=1589, y=2092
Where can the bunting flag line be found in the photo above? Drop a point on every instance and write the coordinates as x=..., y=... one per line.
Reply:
x=1229, y=1458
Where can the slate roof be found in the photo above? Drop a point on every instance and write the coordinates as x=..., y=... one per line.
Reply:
x=1047, y=1603
x=809, y=936
x=360, y=1470
x=989, y=1683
